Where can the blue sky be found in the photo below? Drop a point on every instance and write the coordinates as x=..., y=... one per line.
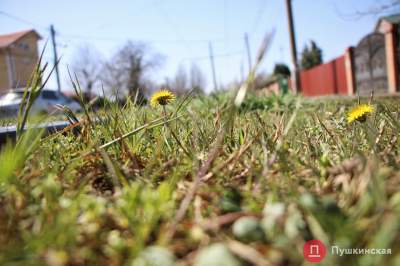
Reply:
x=181, y=29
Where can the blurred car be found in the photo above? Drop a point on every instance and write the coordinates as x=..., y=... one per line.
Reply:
x=45, y=103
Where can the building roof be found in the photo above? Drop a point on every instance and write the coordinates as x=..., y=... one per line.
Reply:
x=394, y=19
x=390, y=20
x=8, y=39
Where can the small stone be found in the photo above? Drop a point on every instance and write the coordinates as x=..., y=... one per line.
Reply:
x=216, y=255
x=197, y=234
x=248, y=229
x=307, y=200
x=155, y=256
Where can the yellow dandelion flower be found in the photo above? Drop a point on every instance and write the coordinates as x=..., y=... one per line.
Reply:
x=359, y=113
x=162, y=97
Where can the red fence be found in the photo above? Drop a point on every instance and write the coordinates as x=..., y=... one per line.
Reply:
x=325, y=79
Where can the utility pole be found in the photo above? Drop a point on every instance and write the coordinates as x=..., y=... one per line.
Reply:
x=296, y=78
x=53, y=41
x=246, y=41
x=212, y=65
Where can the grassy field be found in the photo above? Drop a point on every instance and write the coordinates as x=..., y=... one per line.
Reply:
x=205, y=183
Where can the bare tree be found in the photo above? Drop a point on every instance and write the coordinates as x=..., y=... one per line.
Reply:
x=182, y=82
x=382, y=7
x=379, y=8
x=87, y=66
x=197, y=79
x=129, y=68
x=179, y=84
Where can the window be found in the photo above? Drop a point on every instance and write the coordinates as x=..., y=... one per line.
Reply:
x=66, y=98
x=24, y=46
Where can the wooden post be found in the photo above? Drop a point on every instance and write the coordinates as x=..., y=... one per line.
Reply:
x=55, y=57
x=296, y=76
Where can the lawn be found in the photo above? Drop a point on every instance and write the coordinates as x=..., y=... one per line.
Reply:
x=204, y=182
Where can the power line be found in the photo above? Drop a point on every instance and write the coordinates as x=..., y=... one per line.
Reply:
x=226, y=37
x=259, y=16
x=110, y=39
x=164, y=15
x=174, y=27
x=198, y=58
x=102, y=38
x=22, y=20
x=225, y=22
x=31, y=57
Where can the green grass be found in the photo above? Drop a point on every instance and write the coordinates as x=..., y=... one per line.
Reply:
x=180, y=184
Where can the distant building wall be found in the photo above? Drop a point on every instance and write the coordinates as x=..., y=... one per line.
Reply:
x=25, y=56
x=271, y=88
x=18, y=61
x=4, y=83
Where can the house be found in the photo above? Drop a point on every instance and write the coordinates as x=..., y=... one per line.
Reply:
x=372, y=65
x=18, y=57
